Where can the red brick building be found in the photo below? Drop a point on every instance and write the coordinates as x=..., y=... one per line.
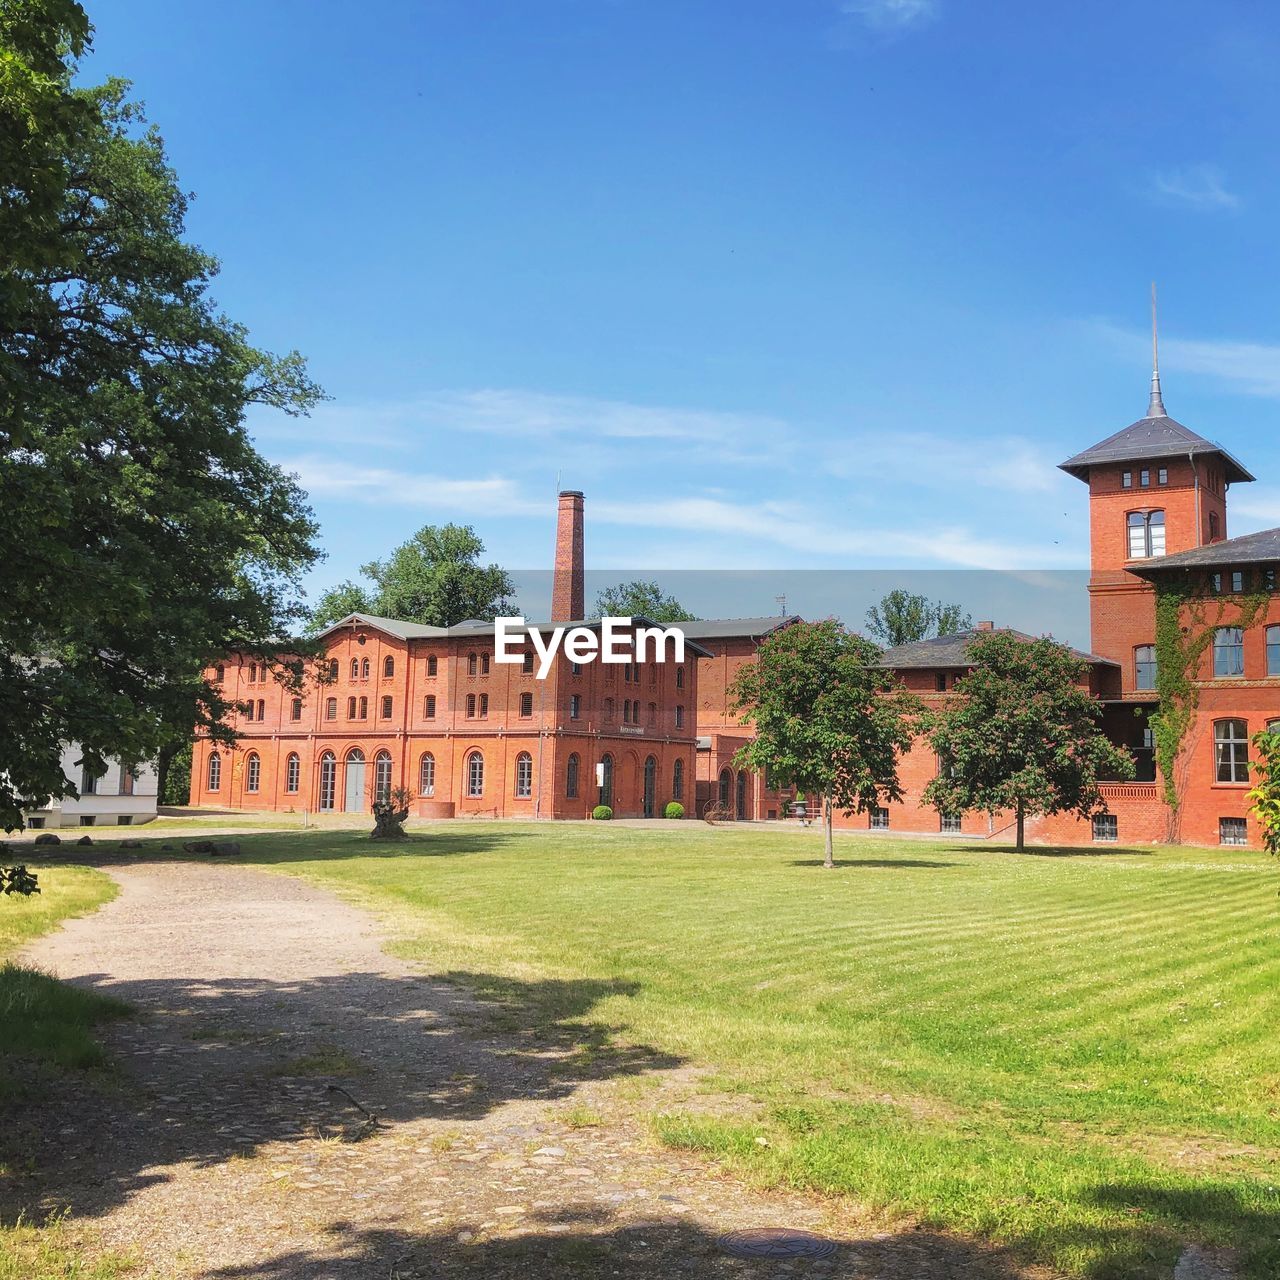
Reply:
x=428, y=709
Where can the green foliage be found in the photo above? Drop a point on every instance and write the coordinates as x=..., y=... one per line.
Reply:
x=1184, y=634
x=902, y=617
x=602, y=813
x=673, y=810
x=640, y=599
x=143, y=534
x=1024, y=735
x=435, y=578
x=827, y=717
x=176, y=788
x=1265, y=794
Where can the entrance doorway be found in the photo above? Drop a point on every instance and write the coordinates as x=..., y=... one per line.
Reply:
x=741, y=812
x=354, y=789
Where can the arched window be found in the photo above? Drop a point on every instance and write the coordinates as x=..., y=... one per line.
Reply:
x=351, y=708
x=475, y=774
x=524, y=776
x=292, y=773
x=606, y=785
x=386, y=708
x=331, y=709
x=219, y=673
x=252, y=772
x=355, y=668
x=328, y=780
x=571, y=778
x=215, y=772
x=364, y=668
x=364, y=708
x=1215, y=527
x=433, y=665
x=427, y=775
x=1231, y=750
x=248, y=710
x=388, y=667
x=677, y=779
x=1146, y=534
x=1228, y=652
x=1144, y=666
x=484, y=664
x=726, y=787
x=679, y=677
x=295, y=709
x=526, y=667
x=333, y=668
x=382, y=776
x=262, y=709
x=1273, y=651
x=429, y=707
x=473, y=664
x=471, y=706
x=253, y=673
x=626, y=709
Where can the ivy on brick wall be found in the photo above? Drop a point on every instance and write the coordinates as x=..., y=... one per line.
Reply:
x=1184, y=633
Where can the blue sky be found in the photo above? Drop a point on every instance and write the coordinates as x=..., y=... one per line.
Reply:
x=816, y=284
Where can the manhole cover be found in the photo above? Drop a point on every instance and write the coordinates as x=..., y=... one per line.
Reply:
x=776, y=1242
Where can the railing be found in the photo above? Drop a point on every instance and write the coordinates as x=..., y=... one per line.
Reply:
x=1129, y=790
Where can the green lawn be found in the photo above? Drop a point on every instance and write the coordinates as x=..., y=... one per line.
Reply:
x=1077, y=1054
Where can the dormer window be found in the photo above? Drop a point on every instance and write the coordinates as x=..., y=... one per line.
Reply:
x=1146, y=534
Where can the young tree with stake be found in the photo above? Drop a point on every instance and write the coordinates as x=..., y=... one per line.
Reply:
x=827, y=718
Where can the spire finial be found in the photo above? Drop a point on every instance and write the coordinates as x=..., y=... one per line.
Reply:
x=1156, y=407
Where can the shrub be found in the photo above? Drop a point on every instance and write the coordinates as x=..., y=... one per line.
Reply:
x=602, y=813
x=674, y=810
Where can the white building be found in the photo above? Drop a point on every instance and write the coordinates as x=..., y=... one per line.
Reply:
x=119, y=797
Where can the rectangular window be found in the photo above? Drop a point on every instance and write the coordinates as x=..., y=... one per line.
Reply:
x=575, y=706
x=1162, y=476
x=1215, y=583
x=679, y=717
x=1237, y=581
x=87, y=821
x=471, y=706
x=1233, y=831
x=1144, y=478
x=351, y=708
x=526, y=667
x=1273, y=651
x=386, y=708
x=331, y=709
x=126, y=781
x=1126, y=479
x=940, y=682
x=1228, y=652
x=124, y=820
x=429, y=707
x=575, y=668
x=1269, y=580
x=1106, y=828
x=1144, y=666
x=879, y=819
x=950, y=824
x=526, y=705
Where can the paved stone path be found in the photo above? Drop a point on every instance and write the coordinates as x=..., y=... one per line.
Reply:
x=236, y=1141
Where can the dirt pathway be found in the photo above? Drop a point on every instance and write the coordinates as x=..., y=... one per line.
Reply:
x=225, y=1151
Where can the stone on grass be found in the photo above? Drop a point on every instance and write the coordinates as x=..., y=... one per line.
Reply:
x=47, y=837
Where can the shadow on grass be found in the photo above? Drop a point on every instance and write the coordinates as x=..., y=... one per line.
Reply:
x=890, y=863
x=213, y=1069
x=560, y=1243
x=1066, y=851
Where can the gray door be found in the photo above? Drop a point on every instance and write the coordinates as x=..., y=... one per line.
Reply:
x=354, y=801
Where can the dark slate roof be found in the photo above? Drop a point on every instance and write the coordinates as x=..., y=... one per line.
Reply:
x=1149, y=439
x=1249, y=548
x=952, y=651
x=727, y=628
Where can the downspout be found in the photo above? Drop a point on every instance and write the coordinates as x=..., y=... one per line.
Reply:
x=1195, y=480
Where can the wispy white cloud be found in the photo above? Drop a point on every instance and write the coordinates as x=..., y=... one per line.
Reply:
x=891, y=16
x=1198, y=186
x=1257, y=507
x=1249, y=367
x=926, y=460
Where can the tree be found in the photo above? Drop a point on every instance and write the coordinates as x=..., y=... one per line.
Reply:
x=1265, y=795
x=827, y=718
x=337, y=603
x=640, y=599
x=434, y=578
x=141, y=534
x=902, y=617
x=1023, y=735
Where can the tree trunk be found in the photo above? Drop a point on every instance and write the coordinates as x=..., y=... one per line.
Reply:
x=163, y=761
x=828, y=859
x=1021, y=826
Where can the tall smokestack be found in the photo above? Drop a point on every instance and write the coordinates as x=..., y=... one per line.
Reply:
x=567, y=601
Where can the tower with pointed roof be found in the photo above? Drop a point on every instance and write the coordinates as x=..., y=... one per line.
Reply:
x=1156, y=488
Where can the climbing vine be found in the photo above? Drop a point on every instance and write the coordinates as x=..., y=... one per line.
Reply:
x=1184, y=633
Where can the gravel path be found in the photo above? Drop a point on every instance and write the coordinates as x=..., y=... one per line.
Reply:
x=236, y=1142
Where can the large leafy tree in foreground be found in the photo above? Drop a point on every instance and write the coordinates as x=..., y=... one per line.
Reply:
x=141, y=534
x=435, y=578
x=639, y=598
x=1023, y=735
x=827, y=718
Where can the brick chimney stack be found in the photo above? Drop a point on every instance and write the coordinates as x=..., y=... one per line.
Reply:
x=567, y=601
x=986, y=626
